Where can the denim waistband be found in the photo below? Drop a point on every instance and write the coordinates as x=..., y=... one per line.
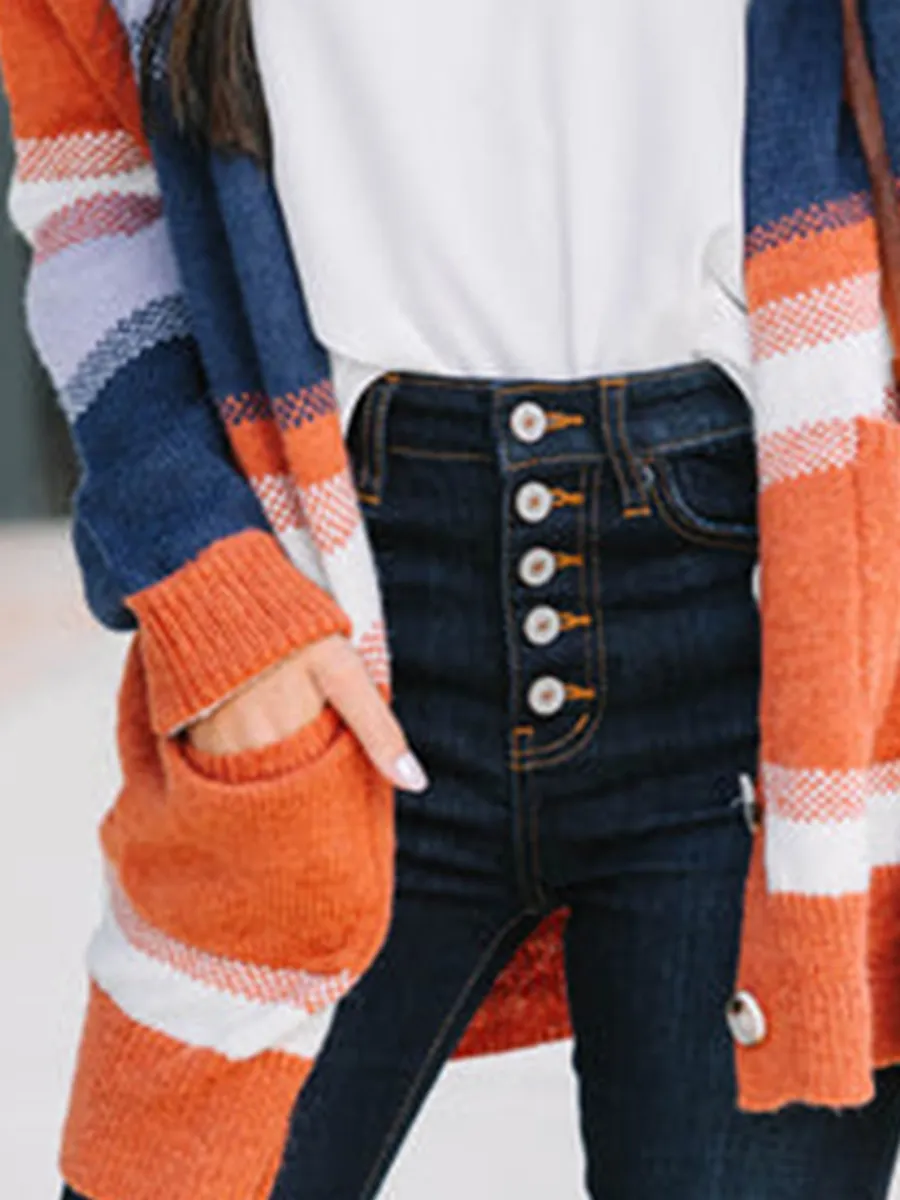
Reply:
x=471, y=416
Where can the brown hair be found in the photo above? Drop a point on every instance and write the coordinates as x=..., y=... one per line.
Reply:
x=214, y=85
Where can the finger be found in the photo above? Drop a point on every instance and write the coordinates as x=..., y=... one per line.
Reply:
x=348, y=687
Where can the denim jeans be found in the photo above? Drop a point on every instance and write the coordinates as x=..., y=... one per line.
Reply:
x=567, y=573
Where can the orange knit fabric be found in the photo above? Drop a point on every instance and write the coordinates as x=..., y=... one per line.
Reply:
x=290, y=869
x=199, y=1136
x=263, y=881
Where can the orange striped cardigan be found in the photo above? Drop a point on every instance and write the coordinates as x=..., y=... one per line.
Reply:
x=233, y=926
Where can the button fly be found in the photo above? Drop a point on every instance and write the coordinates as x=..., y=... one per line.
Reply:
x=537, y=567
x=534, y=501
x=542, y=625
x=546, y=696
x=528, y=421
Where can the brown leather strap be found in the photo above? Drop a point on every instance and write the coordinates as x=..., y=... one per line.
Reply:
x=862, y=93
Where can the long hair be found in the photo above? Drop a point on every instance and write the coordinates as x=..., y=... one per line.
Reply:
x=215, y=93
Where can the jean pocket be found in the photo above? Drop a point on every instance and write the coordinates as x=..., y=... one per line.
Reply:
x=707, y=492
x=280, y=857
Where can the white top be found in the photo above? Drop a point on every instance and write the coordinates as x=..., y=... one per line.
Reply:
x=511, y=188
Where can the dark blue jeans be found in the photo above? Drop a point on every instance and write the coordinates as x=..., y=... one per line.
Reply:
x=567, y=574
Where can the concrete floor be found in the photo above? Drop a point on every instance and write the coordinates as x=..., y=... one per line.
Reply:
x=504, y=1134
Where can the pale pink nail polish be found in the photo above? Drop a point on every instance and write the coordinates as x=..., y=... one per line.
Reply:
x=409, y=774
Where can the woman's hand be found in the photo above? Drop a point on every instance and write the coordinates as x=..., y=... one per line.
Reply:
x=293, y=692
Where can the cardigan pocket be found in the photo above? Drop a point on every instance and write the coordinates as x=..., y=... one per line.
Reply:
x=279, y=858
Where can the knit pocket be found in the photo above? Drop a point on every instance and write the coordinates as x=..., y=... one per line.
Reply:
x=280, y=857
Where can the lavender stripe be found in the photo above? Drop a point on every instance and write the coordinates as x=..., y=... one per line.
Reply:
x=161, y=321
x=133, y=11
x=78, y=296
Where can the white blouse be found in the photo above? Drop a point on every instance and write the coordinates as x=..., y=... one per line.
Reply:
x=511, y=188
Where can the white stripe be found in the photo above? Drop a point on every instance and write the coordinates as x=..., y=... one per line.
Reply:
x=303, y=553
x=280, y=499
x=805, y=451
x=838, y=310
x=158, y=997
x=816, y=859
x=31, y=204
x=884, y=830
x=361, y=597
x=840, y=380
x=354, y=581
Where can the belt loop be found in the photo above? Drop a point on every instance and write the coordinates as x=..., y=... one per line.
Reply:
x=613, y=414
x=370, y=442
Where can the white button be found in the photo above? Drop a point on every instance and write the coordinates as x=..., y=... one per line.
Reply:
x=756, y=585
x=749, y=803
x=538, y=566
x=746, y=1019
x=533, y=501
x=542, y=625
x=528, y=421
x=546, y=696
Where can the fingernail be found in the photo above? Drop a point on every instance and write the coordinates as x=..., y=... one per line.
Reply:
x=409, y=774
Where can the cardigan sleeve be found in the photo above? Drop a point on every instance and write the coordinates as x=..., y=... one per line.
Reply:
x=169, y=533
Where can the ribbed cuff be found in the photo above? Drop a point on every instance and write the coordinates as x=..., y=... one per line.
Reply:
x=239, y=607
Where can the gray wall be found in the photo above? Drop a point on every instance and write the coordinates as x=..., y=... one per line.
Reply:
x=36, y=471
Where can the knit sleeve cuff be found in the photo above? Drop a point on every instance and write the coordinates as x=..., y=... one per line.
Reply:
x=238, y=608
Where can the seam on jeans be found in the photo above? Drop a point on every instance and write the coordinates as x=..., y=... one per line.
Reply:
x=534, y=811
x=513, y=651
x=697, y=440
x=566, y=386
x=362, y=468
x=580, y=732
x=380, y=409
x=572, y=731
x=602, y=681
x=437, y=1041
x=450, y=455
x=526, y=884
x=512, y=644
x=889, y=1150
x=611, y=448
x=668, y=508
x=449, y=382
x=636, y=475
x=374, y=402
x=581, y=458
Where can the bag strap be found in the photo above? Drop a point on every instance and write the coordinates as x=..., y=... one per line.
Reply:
x=862, y=94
